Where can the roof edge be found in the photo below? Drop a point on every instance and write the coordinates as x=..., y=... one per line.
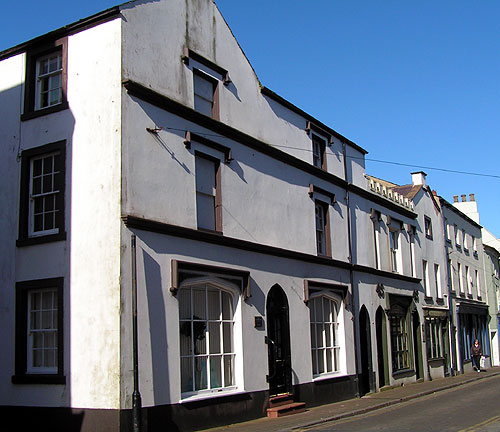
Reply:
x=276, y=97
x=66, y=30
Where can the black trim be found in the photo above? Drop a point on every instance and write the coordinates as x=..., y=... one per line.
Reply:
x=192, y=136
x=177, y=108
x=21, y=375
x=214, y=238
x=23, y=235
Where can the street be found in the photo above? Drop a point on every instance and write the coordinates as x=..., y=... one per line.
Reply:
x=474, y=407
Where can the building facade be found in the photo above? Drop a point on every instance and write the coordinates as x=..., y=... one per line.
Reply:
x=470, y=313
x=265, y=260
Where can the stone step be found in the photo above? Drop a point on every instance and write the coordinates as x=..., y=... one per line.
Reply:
x=287, y=409
x=282, y=399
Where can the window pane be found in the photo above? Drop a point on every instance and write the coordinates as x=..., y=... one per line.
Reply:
x=329, y=361
x=315, y=362
x=186, y=374
x=200, y=373
x=215, y=372
x=227, y=329
x=185, y=337
x=202, y=105
x=214, y=335
x=228, y=370
x=203, y=87
x=319, y=335
x=321, y=362
x=199, y=303
x=200, y=336
x=213, y=303
x=227, y=306
x=36, y=186
x=205, y=211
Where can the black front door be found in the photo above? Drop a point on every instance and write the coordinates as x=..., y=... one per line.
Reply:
x=366, y=352
x=278, y=342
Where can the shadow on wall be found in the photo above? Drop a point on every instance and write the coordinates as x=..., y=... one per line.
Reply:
x=157, y=328
x=35, y=260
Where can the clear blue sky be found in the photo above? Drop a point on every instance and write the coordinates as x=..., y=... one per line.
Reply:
x=412, y=82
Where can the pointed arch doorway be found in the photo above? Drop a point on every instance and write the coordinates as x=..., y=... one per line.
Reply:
x=278, y=342
x=366, y=352
x=381, y=326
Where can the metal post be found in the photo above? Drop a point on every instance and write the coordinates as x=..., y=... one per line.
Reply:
x=136, y=396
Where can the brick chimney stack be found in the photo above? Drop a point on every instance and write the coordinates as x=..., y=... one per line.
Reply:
x=455, y=198
x=472, y=198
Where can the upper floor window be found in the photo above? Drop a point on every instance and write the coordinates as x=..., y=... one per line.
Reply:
x=437, y=280
x=428, y=227
x=325, y=344
x=376, y=217
x=42, y=194
x=447, y=230
x=478, y=284
x=460, y=278
x=411, y=233
x=425, y=278
x=457, y=235
x=468, y=280
x=206, y=79
x=323, y=243
x=395, y=250
x=49, y=80
x=318, y=148
x=46, y=79
x=208, y=193
x=205, y=94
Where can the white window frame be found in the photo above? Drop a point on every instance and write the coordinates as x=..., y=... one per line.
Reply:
x=40, y=77
x=478, y=284
x=233, y=290
x=437, y=280
x=461, y=286
x=468, y=280
x=43, y=195
x=40, y=327
x=395, y=251
x=425, y=278
x=337, y=348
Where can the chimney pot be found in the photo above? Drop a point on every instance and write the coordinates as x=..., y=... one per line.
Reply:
x=472, y=198
x=455, y=198
x=464, y=198
x=434, y=192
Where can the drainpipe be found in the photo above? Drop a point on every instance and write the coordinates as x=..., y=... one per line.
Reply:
x=136, y=395
x=351, y=275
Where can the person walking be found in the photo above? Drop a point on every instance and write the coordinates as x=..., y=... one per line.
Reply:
x=476, y=352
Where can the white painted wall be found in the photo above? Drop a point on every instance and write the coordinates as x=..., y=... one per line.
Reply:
x=11, y=81
x=159, y=31
x=89, y=258
x=94, y=92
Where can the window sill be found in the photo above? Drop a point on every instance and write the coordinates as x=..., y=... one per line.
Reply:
x=231, y=391
x=466, y=251
x=327, y=376
x=28, y=241
x=38, y=379
x=448, y=241
x=428, y=299
x=428, y=237
x=436, y=359
x=402, y=372
x=44, y=111
x=440, y=300
x=458, y=247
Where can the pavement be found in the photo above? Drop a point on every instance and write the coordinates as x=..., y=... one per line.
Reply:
x=352, y=407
